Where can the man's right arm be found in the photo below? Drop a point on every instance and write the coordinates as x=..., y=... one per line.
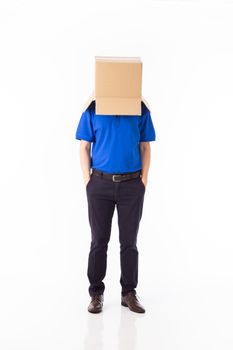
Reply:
x=85, y=159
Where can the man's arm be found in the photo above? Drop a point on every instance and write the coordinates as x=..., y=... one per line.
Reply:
x=85, y=159
x=145, y=156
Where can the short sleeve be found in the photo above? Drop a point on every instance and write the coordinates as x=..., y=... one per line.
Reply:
x=85, y=127
x=147, y=130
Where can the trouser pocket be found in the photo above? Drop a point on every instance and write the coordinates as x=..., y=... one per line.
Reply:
x=87, y=185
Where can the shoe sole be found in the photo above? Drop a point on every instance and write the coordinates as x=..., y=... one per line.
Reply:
x=95, y=312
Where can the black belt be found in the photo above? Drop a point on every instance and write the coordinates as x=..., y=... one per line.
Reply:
x=117, y=177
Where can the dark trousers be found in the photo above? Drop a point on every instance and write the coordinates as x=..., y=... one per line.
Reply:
x=102, y=197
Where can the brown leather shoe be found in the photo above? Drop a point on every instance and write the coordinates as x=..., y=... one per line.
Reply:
x=96, y=304
x=130, y=300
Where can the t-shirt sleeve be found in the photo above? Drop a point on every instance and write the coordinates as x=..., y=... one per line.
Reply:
x=85, y=129
x=147, y=130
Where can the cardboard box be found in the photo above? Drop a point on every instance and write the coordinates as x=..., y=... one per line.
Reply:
x=118, y=85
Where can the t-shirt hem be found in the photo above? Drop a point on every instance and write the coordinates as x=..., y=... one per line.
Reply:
x=84, y=138
x=147, y=140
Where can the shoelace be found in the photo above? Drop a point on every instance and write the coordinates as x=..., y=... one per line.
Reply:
x=97, y=297
x=133, y=295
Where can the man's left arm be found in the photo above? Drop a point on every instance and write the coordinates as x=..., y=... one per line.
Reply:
x=145, y=157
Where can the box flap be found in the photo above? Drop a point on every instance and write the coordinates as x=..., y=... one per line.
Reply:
x=146, y=103
x=118, y=106
x=92, y=98
x=88, y=102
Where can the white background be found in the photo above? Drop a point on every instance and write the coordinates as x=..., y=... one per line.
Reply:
x=186, y=232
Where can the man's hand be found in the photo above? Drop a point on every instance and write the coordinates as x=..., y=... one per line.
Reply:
x=85, y=147
x=145, y=156
x=144, y=180
x=86, y=180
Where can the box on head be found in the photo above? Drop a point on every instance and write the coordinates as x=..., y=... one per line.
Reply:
x=118, y=86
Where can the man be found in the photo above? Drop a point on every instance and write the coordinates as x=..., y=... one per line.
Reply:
x=120, y=161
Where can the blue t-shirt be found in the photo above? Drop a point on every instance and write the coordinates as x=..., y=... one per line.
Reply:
x=115, y=139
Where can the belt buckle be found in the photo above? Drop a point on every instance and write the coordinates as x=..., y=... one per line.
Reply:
x=113, y=178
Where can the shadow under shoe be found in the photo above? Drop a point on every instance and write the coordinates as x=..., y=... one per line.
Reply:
x=96, y=304
x=131, y=301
